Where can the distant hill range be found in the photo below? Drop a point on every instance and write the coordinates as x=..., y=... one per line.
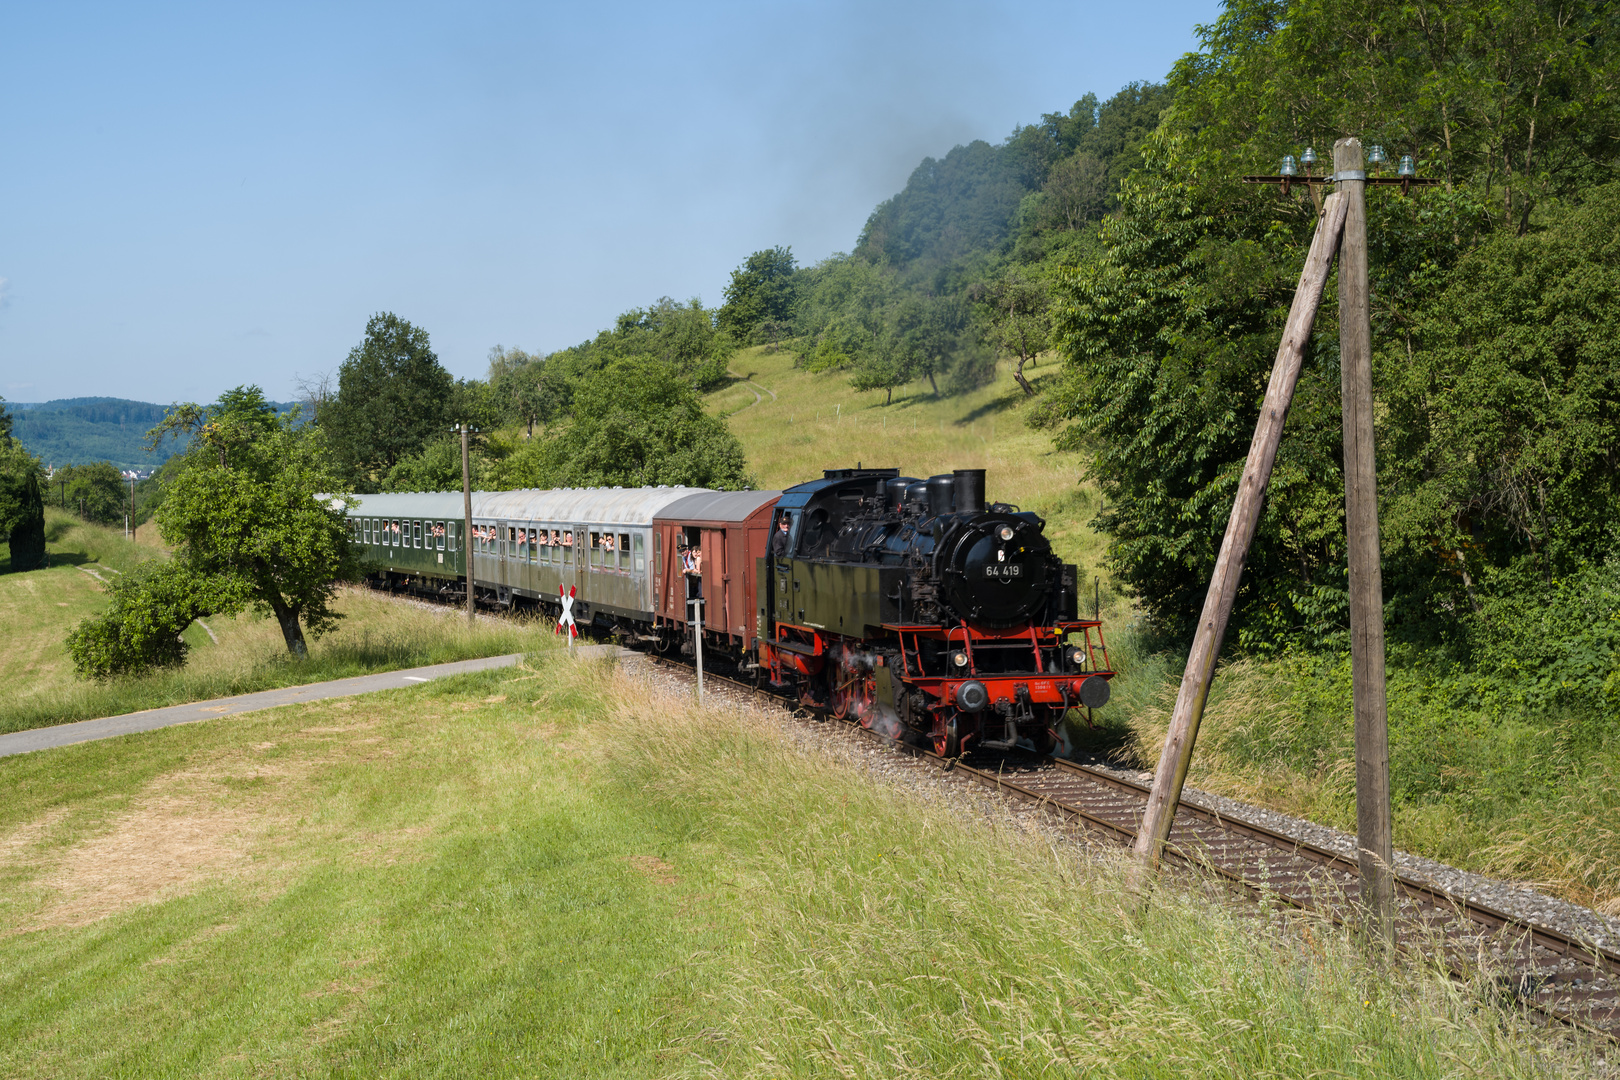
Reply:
x=78, y=431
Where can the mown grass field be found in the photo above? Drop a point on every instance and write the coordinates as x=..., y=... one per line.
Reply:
x=556, y=870
x=40, y=607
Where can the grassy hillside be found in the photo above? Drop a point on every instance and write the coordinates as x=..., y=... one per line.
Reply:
x=484, y=876
x=793, y=424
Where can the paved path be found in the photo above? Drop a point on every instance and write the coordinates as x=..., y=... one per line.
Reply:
x=21, y=742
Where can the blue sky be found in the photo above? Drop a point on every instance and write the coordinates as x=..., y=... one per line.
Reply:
x=198, y=196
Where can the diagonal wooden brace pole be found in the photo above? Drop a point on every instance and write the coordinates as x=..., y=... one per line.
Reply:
x=1223, y=584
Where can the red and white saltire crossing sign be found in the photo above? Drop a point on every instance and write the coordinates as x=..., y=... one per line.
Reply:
x=567, y=616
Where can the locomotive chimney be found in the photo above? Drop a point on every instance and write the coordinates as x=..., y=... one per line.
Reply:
x=940, y=493
x=969, y=491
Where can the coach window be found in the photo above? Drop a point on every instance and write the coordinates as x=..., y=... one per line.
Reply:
x=596, y=549
x=624, y=551
x=641, y=555
x=416, y=534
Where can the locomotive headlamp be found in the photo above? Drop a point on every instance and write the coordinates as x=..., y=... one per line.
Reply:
x=1004, y=533
x=959, y=659
x=1077, y=657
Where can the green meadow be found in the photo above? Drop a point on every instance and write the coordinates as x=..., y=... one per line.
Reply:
x=558, y=870
x=230, y=655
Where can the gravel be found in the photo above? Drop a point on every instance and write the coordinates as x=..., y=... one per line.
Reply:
x=1509, y=898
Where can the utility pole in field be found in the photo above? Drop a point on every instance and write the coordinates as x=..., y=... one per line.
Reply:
x=1341, y=229
x=1375, y=853
x=466, y=522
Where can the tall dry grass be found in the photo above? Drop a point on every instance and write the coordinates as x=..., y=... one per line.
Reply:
x=890, y=934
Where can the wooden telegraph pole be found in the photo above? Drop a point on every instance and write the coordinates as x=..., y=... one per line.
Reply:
x=1374, y=840
x=466, y=522
x=1168, y=781
x=1345, y=212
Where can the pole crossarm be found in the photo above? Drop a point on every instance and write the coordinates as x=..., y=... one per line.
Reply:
x=1171, y=775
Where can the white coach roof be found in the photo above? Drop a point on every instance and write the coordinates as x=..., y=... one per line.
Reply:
x=412, y=504
x=617, y=506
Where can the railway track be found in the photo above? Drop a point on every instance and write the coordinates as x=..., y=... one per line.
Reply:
x=1548, y=972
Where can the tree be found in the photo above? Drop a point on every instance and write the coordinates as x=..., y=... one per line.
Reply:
x=22, y=508
x=883, y=366
x=1019, y=314
x=393, y=399
x=257, y=501
x=436, y=468
x=762, y=295
x=1169, y=333
x=98, y=490
x=519, y=382
x=1500, y=439
x=151, y=605
x=638, y=423
x=1078, y=190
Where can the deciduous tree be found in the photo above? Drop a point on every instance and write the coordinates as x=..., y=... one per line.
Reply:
x=151, y=605
x=258, y=501
x=638, y=423
x=761, y=296
x=97, y=490
x=393, y=398
x=1019, y=313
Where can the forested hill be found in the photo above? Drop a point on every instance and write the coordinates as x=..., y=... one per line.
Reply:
x=78, y=431
x=958, y=265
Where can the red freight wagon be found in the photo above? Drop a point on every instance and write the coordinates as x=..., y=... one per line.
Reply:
x=705, y=546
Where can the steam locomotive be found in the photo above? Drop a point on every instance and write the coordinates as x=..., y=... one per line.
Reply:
x=908, y=604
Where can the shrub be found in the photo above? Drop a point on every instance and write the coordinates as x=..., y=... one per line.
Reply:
x=141, y=628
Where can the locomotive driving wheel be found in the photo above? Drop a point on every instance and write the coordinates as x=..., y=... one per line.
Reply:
x=948, y=742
